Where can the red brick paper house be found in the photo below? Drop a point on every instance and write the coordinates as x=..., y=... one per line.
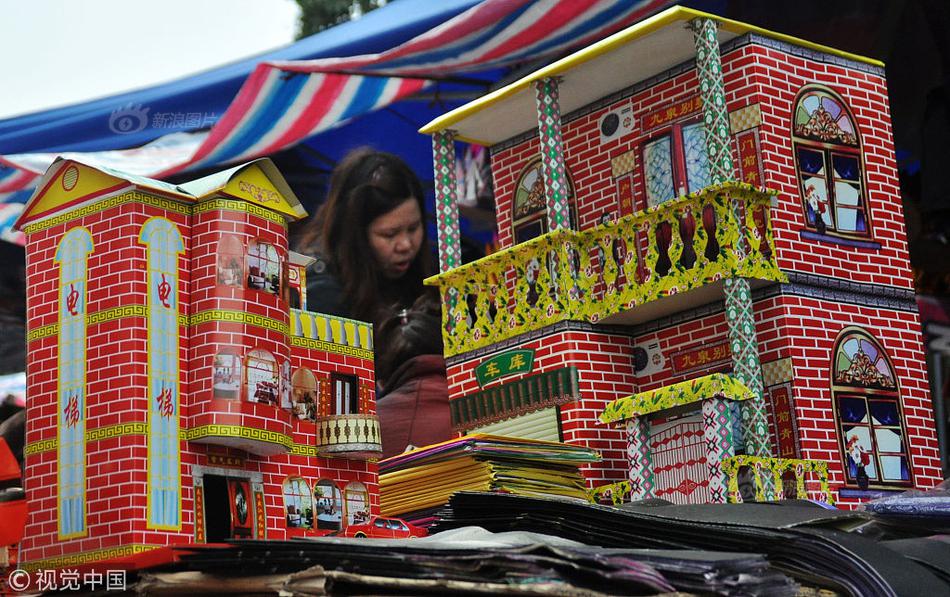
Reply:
x=178, y=391
x=704, y=271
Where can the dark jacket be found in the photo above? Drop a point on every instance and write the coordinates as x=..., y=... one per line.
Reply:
x=414, y=409
x=324, y=292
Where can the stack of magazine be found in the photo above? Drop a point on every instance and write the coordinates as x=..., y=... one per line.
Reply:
x=415, y=484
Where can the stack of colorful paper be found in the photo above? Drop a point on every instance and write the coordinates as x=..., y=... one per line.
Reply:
x=414, y=483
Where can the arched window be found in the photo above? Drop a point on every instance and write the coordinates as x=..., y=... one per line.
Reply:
x=827, y=151
x=357, y=503
x=298, y=503
x=262, y=378
x=304, y=396
x=529, y=208
x=227, y=375
x=263, y=268
x=868, y=413
x=230, y=261
x=329, y=501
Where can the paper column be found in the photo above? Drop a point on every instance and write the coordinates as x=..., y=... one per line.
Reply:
x=446, y=206
x=745, y=354
x=552, y=158
x=638, y=455
x=717, y=434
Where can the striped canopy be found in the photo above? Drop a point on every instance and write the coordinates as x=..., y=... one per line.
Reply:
x=283, y=102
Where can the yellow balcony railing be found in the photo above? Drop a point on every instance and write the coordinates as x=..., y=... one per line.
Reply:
x=352, y=436
x=672, y=248
x=786, y=478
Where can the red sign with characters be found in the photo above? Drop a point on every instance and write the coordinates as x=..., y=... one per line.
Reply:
x=667, y=115
x=703, y=357
x=750, y=168
x=783, y=423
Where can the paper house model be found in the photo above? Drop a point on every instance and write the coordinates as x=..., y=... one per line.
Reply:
x=178, y=393
x=704, y=271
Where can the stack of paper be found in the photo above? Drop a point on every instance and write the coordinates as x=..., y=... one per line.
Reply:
x=415, y=482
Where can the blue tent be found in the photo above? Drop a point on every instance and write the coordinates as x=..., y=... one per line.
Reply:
x=374, y=81
x=85, y=126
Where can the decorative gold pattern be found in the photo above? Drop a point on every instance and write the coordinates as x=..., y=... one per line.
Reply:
x=100, y=433
x=623, y=163
x=716, y=385
x=43, y=332
x=304, y=450
x=46, y=445
x=86, y=557
x=350, y=351
x=116, y=313
x=238, y=317
x=109, y=203
x=242, y=206
x=776, y=372
x=251, y=433
x=138, y=428
x=775, y=468
x=568, y=275
x=744, y=119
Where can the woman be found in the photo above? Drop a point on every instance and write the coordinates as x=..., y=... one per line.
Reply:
x=414, y=407
x=370, y=239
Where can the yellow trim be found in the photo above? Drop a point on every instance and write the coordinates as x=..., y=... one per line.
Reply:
x=607, y=45
x=42, y=332
x=116, y=313
x=86, y=557
x=138, y=428
x=350, y=351
x=260, y=321
x=44, y=445
x=120, y=430
x=221, y=204
x=251, y=433
x=108, y=203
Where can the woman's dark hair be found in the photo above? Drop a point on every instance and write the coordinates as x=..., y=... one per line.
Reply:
x=407, y=334
x=365, y=185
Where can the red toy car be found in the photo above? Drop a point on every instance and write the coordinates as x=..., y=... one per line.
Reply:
x=378, y=527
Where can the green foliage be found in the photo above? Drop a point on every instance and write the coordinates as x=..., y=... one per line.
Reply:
x=317, y=15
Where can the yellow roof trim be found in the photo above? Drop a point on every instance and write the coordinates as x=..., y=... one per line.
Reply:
x=606, y=45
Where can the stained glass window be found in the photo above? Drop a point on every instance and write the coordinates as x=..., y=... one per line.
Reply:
x=529, y=208
x=828, y=160
x=676, y=163
x=868, y=410
x=298, y=503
